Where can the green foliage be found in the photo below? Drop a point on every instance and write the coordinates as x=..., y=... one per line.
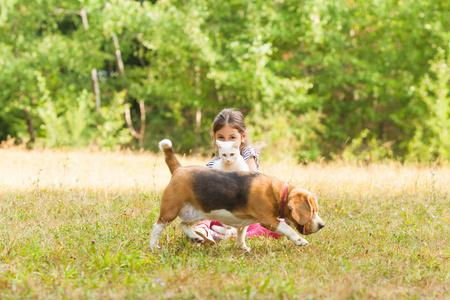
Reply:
x=312, y=74
x=82, y=125
x=366, y=148
x=432, y=137
x=109, y=124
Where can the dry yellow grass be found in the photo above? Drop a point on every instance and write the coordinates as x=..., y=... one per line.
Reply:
x=105, y=170
x=76, y=225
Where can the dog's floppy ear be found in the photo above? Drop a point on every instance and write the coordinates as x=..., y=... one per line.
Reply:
x=218, y=144
x=300, y=207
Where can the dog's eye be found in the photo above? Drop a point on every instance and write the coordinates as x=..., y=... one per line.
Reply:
x=232, y=154
x=224, y=155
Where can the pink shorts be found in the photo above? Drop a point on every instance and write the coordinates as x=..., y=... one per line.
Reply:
x=254, y=229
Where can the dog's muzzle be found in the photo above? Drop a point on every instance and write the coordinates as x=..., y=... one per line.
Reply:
x=302, y=229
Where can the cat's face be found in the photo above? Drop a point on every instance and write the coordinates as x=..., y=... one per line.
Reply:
x=228, y=151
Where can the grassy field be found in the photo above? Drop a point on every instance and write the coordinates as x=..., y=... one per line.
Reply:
x=76, y=225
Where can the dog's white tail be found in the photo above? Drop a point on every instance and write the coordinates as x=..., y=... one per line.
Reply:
x=171, y=161
x=165, y=144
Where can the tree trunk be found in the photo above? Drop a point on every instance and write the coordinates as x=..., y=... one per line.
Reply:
x=30, y=127
x=84, y=18
x=142, y=131
x=138, y=135
x=198, y=120
x=198, y=113
x=118, y=54
x=94, y=77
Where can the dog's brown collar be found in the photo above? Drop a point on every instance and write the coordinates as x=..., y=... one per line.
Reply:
x=283, y=198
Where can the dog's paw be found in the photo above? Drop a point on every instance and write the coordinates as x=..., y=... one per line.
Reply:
x=301, y=242
x=246, y=248
x=197, y=240
x=154, y=247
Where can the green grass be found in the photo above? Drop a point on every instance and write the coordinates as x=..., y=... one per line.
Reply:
x=65, y=236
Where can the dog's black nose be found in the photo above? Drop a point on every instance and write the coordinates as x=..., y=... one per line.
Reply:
x=321, y=226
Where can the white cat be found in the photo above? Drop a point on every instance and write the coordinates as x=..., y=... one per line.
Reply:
x=230, y=160
x=230, y=157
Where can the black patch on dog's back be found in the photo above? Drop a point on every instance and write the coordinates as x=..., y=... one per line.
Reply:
x=217, y=189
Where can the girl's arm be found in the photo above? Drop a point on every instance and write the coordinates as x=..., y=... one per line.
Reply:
x=251, y=164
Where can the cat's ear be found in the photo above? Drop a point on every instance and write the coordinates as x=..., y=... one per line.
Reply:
x=236, y=145
x=218, y=144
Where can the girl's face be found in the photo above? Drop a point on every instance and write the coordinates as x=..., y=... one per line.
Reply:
x=229, y=134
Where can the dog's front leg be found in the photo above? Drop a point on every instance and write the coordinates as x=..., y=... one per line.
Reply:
x=284, y=229
x=240, y=239
x=287, y=230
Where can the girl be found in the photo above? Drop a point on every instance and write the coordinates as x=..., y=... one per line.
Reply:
x=229, y=125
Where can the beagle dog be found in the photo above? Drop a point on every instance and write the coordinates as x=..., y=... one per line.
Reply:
x=238, y=199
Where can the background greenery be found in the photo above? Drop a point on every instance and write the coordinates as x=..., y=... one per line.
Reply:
x=322, y=78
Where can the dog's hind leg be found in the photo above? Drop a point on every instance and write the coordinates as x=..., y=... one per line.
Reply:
x=158, y=228
x=240, y=239
x=190, y=216
x=188, y=229
x=168, y=212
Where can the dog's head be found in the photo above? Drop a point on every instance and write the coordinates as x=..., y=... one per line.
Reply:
x=303, y=212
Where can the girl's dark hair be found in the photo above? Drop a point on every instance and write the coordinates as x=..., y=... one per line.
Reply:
x=231, y=117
